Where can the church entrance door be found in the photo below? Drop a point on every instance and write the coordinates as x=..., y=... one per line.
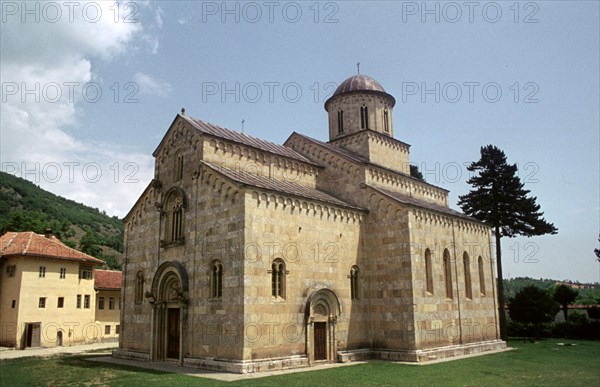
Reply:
x=173, y=333
x=320, y=341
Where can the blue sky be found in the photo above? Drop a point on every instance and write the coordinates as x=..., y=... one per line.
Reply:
x=520, y=75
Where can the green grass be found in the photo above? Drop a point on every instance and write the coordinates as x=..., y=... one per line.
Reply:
x=532, y=364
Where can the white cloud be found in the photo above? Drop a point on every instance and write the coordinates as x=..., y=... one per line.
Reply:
x=45, y=69
x=150, y=85
x=158, y=17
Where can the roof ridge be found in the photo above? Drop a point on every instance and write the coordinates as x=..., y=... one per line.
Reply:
x=9, y=242
x=28, y=242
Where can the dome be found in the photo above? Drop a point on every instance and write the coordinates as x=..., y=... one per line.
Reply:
x=358, y=83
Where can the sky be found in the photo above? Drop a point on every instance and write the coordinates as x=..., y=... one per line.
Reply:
x=90, y=87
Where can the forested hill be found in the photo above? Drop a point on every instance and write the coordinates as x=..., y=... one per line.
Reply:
x=26, y=207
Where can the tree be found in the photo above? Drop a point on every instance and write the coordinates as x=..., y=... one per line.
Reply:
x=499, y=199
x=597, y=251
x=565, y=295
x=414, y=172
x=89, y=245
x=534, y=306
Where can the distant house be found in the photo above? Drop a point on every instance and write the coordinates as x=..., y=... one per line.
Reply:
x=49, y=296
x=108, y=306
x=576, y=286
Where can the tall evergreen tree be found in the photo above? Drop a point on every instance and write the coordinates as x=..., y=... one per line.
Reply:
x=565, y=295
x=499, y=199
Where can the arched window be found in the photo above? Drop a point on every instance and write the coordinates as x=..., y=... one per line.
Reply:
x=174, y=206
x=354, y=283
x=481, y=276
x=216, y=279
x=448, y=273
x=364, y=117
x=428, y=272
x=467, y=271
x=139, y=287
x=179, y=166
x=278, y=273
x=386, y=122
x=340, y=121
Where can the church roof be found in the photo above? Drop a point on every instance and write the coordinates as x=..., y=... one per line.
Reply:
x=285, y=187
x=359, y=82
x=421, y=203
x=31, y=244
x=336, y=149
x=241, y=138
x=349, y=155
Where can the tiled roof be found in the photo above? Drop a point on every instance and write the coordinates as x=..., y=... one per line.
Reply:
x=32, y=244
x=421, y=203
x=279, y=186
x=244, y=139
x=108, y=279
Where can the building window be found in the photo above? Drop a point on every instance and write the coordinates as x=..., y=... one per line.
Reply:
x=278, y=273
x=101, y=303
x=61, y=302
x=13, y=304
x=63, y=272
x=481, y=276
x=386, y=121
x=139, y=287
x=107, y=329
x=117, y=329
x=42, y=302
x=86, y=301
x=428, y=272
x=467, y=271
x=42, y=271
x=10, y=270
x=86, y=272
x=448, y=274
x=354, y=283
x=216, y=279
x=341, y=121
x=79, y=301
x=111, y=303
x=179, y=166
x=364, y=117
x=174, y=206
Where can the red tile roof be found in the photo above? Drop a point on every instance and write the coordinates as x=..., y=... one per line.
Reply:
x=108, y=279
x=31, y=244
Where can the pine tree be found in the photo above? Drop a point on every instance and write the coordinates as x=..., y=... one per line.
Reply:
x=499, y=199
x=565, y=295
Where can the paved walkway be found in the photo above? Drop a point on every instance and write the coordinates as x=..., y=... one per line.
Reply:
x=196, y=372
x=7, y=353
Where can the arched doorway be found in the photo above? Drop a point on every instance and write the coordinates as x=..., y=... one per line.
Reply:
x=169, y=298
x=322, y=311
x=59, y=339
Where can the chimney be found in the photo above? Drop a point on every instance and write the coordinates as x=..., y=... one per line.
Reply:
x=48, y=233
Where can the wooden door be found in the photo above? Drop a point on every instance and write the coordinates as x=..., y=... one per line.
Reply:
x=173, y=333
x=32, y=332
x=320, y=340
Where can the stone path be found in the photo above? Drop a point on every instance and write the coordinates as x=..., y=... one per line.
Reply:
x=8, y=353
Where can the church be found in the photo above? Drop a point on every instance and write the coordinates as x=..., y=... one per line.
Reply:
x=243, y=255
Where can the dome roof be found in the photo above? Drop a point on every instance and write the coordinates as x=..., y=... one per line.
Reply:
x=358, y=83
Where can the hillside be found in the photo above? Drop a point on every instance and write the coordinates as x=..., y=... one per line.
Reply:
x=26, y=207
x=588, y=295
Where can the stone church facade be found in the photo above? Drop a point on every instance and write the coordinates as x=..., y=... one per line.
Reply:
x=244, y=255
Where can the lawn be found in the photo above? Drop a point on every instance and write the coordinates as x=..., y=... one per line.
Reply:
x=543, y=363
